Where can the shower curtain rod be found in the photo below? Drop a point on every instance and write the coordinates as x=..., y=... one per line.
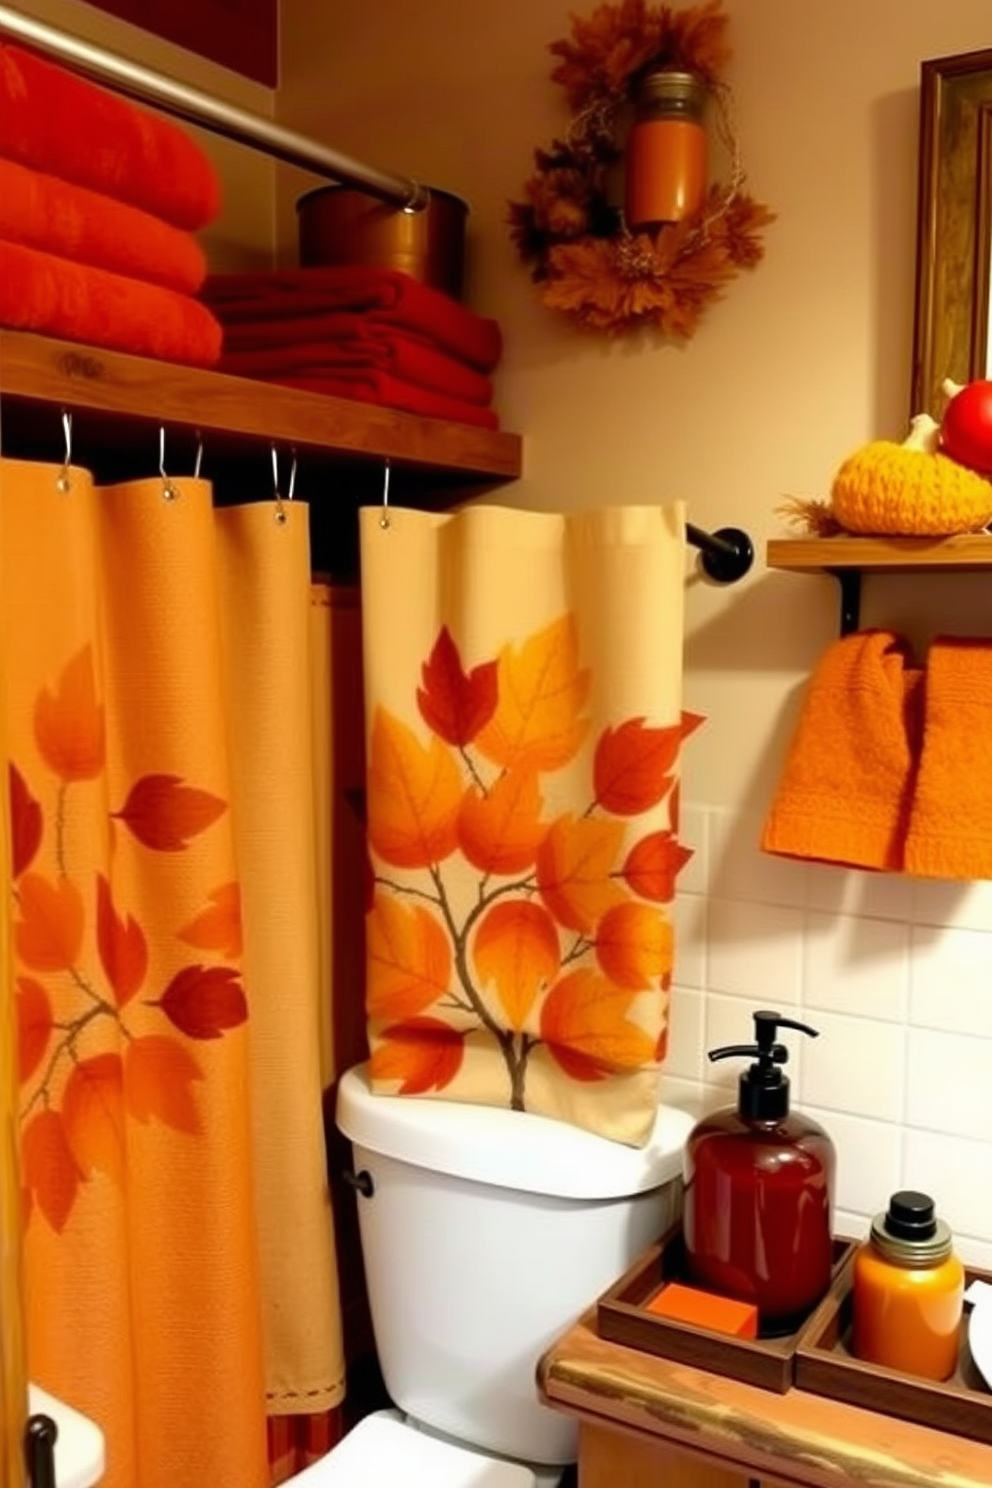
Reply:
x=211, y=113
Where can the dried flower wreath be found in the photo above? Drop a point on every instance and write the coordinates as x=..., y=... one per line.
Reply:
x=585, y=260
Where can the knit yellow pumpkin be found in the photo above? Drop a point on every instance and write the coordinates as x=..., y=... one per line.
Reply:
x=909, y=489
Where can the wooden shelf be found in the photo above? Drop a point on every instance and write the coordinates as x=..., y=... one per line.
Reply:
x=879, y=554
x=848, y=558
x=231, y=413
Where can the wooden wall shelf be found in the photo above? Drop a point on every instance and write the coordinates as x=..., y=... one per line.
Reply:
x=337, y=447
x=847, y=558
x=877, y=554
x=233, y=413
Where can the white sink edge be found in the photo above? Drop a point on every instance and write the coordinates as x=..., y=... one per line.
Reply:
x=79, y=1448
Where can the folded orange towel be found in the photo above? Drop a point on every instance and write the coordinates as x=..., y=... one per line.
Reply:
x=370, y=386
x=55, y=121
x=382, y=349
x=950, y=825
x=847, y=785
x=39, y=292
x=40, y=211
x=252, y=301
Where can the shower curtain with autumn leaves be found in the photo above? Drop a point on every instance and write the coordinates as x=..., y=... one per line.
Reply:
x=524, y=725
x=178, y=1261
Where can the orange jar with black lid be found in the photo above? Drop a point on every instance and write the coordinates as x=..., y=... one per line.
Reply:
x=907, y=1295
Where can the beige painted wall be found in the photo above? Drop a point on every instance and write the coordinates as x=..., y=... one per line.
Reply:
x=806, y=358
x=243, y=235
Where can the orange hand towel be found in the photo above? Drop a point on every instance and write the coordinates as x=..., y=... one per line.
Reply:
x=40, y=211
x=39, y=292
x=846, y=789
x=53, y=120
x=950, y=826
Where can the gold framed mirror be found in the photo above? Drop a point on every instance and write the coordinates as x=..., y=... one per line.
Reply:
x=954, y=233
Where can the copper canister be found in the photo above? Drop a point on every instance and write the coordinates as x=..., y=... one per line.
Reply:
x=342, y=225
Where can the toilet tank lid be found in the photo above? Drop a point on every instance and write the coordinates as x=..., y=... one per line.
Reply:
x=509, y=1149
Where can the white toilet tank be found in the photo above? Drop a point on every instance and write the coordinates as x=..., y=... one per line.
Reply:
x=486, y=1234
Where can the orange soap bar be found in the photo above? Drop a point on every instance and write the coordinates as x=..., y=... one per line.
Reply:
x=685, y=1304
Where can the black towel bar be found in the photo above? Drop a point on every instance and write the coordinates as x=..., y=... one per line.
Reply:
x=727, y=554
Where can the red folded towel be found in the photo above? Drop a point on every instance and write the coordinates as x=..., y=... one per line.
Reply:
x=391, y=392
x=40, y=211
x=39, y=292
x=387, y=297
x=410, y=358
x=55, y=121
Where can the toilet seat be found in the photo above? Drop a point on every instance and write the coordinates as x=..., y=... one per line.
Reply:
x=382, y=1449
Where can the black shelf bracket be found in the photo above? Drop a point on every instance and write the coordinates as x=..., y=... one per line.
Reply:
x=727, y=554
x=849, y=580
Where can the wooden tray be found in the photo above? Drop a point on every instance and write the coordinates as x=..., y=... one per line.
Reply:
x=622, y=1317
x=826, y=1366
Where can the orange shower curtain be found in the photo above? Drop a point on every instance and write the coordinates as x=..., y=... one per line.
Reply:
x=178, y=1249
x=13, y=1376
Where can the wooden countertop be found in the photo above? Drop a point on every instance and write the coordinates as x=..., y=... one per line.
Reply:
x=796, y=1439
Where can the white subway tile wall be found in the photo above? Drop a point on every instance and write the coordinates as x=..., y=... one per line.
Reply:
x=896, y=976
x=754, y=945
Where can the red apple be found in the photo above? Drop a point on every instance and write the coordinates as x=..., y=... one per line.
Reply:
x=966, y=428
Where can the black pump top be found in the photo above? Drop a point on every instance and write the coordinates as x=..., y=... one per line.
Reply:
x=763, y=1090
x=911, y=1216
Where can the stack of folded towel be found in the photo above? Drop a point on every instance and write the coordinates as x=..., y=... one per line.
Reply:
x=374, y=334
x=99, y=204
x=890, y=766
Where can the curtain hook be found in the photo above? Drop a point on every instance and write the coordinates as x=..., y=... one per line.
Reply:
x=64, y=481
x=169, y=491
x=384, y=518
x=280, y=511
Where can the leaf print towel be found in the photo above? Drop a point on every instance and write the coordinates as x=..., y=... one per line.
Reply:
x=524, y=719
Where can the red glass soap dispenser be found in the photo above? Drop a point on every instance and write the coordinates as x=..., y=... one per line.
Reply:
x=759, y=1182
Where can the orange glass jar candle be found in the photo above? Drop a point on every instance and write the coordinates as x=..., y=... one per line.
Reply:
x=908, y=1291
x=667, y=156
